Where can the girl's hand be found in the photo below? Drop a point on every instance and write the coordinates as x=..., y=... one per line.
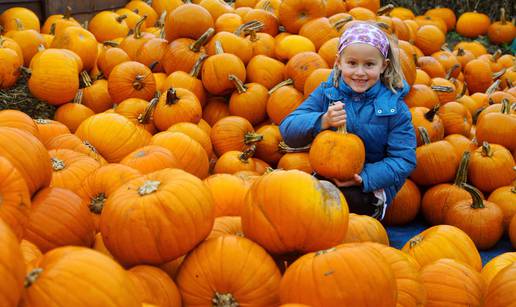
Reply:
x=357, y=180
x=334, y=117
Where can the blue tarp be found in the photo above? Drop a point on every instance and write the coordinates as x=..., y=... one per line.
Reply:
x=399, y=235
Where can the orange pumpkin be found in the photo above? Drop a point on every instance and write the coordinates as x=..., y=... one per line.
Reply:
x=73, y=142
x=234, y=161
x=228, y=22
x=154, y=189
x=233, y=133
x=294, y=14
x=131, y=80
x=248, y=101
x=154, y=285
x=12, y=268
x=227, y=204
x=467, y=19
x=70, y=168
x=266, y=17
x=498, y=127
x=300, y=66
x=59, y=218
x=421, y=95
x=149, y=159
x=283, y=99
x=144, y=9
x=363, y=228
x=445, y=14
x=111, y=57
x=132, y=43
x=405, y=206
x=139, y=112
x=428, y=119
x=195, y=132
x=20, y=120
x=265, y=70
x=183, y=53
x=310, y=203
x=499, y=293
x=176, y=105
x=189, y=20
x=74, y=113
x=9, y=67
x=429, y=39
x=216, y=283
x=29, y=41
x=495, y=265
x=80, y=41
x=226, y=225
x=456, y=118
x=108, y=26
x=491, y=159
x=296, y=160
x=216, y=108
x=26, y=17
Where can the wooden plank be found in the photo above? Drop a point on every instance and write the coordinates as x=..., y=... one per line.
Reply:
x=100, y=5
x=59, y=6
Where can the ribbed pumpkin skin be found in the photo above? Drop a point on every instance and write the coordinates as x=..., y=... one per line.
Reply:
x=73, y=142
x=313, y=215
x=228, y=193
x=31, y=254
x=150, y=158
x=449, y=282
x=49, y=129
x=411, y=291
x=75, y=168
x=495, y=265
x=443, y=241
x=179, y=211
x=155, y=285
x=323, y=278
x=19, y=120
x=59, y=218
x=500, y=292
x=78, y=276
x=226, y=225
x=221, y=265
x=14, y=198
x=28, y=155
x=12, y=268
x=131, y=80
x=363, y=228
x=405, y=206
x=113, y=135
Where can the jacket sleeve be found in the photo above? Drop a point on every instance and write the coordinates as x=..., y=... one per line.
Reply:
x=401, y=155
x=300, y=127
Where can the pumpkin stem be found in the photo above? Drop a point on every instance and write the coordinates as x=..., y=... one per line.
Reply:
x=496, y=55
x=267, y=6
x=424, y=135
x=244, y=26
x=196, y=69
x=268, y=170
x=252, y=137
x=415, y=241
x=171, y=97
x=339, y=24
x=32, y=277
x=477, y=203
x=384, y=10
x=451, y=70
x=506, y=108
x=500, y=73
x=241, y=87
x=121, y=18
x=246, y=154
x=461, y=52
x=52, y=30
x=145, y=117
x=342, y=129
x=19, y=24
x=97, y=203
x=282, y=83
x=196, y=46
x=463, y=92
x=26, y=70
x=431, y=114
x=86, y=78
x=486, y=149
x=325, y=251
x=42, y=121
x=252, y=36
x=110, y=43
x=138, y=27
x=153, y=65
x=493, y=87
x=218, y=47
x=445, y=47
x=57, y=164
x=78, y=97
x=442, y=88
x=462, y=173
x=161, y=21
x=284, y=148
x=138, y=84
x=148, y=187
x=224, y=300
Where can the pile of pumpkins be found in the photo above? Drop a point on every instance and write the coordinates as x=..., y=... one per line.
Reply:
x=164, y=160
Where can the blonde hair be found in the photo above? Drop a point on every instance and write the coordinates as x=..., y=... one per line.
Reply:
x=392, y=77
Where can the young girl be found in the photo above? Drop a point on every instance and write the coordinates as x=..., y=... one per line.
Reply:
x=366, y=95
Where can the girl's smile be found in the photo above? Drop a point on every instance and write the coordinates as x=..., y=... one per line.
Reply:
x=361, y=66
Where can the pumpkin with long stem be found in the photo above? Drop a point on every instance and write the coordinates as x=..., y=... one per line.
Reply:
x=73, y=142
x=189, y=21
x=266, y=17
x=502, y=31
x=108, y=26
x=132, y=43
x=430, y=120
x=436, y=161
x=495, y=160
x=337, y=154
x=248, y=101
x=283, y=99
x=269, y=149
x=139, y=112
x=498, y=127
x=232, y=161
x=233, y=133
x=74, y=113
x=144, y=9
x=96, y=95
x=481, y=220
x=261, y=43
x=189, y=81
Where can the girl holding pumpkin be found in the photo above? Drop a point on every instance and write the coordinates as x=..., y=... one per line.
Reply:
x=365, y=93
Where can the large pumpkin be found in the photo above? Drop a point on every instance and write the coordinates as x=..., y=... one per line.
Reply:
x=495, y=265
x=28, y=155
x=323, y=278
x=500, y=292
x=216, y=273
x=162, y=207
x=14, y=198
x=313, y=215
x=113, y=135
x=12, y=267
x=63, y=275
x=294, y=14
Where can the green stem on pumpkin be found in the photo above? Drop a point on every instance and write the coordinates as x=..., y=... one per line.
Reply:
x=477, y=202
x=284, y=148
x=503, y=18
x=250, y=24
x=196, y=69
x=431, y=114
x=424, y=135
x=496, y=55
x=342, y=129
x=282, y=83
x=138, y=27
x=486, y=149
x=52, y=30
x=442, y=88
x=462, y=173
x=31, y=277
x=325, y=251
x=506, y=107
x=339, y=24
x=218, y=47
x=86, y=78
x=68, y=12
x=252, y=137
x=78, y=97
x=196, y=46
x=384, y=10
x=493, y=87
x=500, y=73
x=240, y=86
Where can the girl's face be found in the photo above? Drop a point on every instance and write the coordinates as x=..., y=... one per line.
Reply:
x=361, y=66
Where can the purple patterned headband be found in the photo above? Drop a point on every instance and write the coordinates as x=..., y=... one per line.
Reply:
x=367, y=34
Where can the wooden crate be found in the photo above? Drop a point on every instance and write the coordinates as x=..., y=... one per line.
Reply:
x=81, y=9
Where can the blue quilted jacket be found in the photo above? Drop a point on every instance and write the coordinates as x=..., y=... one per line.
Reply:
x=378, y=116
